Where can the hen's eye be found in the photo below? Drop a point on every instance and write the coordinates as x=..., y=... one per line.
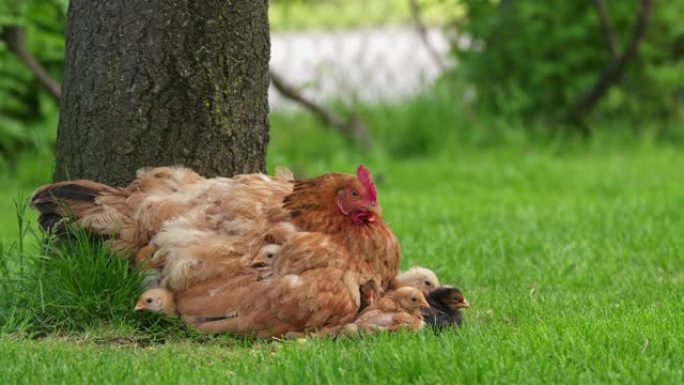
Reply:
x=269, y=255
x=354, y=194
x=414, y=299
x=428, y=283
x=148, y=300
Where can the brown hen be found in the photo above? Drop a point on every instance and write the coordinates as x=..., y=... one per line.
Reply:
x=207, y=233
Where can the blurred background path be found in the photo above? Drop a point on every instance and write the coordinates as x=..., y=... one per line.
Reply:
x=363, y=65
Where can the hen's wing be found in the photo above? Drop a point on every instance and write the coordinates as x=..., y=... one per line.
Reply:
x=308, y=250
x=313, y=286
x=313, y=300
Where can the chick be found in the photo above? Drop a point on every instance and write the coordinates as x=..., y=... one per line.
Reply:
x=158, y=301
x=368, y=291
x=446, y=303
x=419, y=277
x=264, y=259
x=397, y=309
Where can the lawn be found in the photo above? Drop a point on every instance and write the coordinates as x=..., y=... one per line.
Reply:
x=572, y=260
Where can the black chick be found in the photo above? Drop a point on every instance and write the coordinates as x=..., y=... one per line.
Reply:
x=446, y=303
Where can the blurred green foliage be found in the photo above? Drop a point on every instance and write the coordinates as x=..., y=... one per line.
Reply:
x=525, y=64
x=297, y=15
x=26, y=109
x=531, y=59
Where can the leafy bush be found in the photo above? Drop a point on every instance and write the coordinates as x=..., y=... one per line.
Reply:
x=25, y=107
x=532, y=59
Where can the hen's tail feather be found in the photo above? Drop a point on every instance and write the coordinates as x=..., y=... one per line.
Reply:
x=77, y=191
x=78, y=199
x=51, y=222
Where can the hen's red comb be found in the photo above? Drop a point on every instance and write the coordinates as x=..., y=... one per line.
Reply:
x=364, y=176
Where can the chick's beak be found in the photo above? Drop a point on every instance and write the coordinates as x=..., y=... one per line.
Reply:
x=139, y=306
x=463, y=304
x=423, y=304
x=258, y=264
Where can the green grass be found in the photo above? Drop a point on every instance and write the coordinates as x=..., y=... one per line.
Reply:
x=571, y=255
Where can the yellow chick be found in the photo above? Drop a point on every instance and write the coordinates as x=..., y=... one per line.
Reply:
x=158, y=301
x=418, y=277
x=264, y=259
x=397, y=309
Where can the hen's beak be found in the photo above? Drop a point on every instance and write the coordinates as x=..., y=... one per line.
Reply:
x=139, y=306
x=463, y=304
x=375, y=209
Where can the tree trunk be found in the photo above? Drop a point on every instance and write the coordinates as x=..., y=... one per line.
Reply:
x=163, y=82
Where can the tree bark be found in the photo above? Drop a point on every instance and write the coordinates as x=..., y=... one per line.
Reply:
x=163, y=82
